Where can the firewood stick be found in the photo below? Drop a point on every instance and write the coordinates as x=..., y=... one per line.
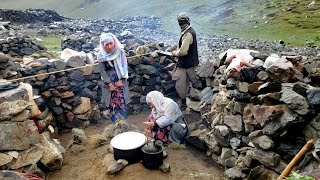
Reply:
x=296, y=159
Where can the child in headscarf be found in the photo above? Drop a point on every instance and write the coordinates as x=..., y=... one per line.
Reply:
x=165, y=121
x=114, y=73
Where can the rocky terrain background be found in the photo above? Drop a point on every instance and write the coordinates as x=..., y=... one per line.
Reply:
x=294, y=22
x=253, y=129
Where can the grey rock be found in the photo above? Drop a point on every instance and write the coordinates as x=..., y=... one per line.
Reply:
x=312, y=130
x=234, y=122
x=242, y=86
x=277, y=126
x=79, y=137
x=5, y=159
x=295, y=101
x=18, y=93
x=314, y=96
x=267, y=158
x=18, y=135
x=226, y=153
x=76, y=61
x=212, y=143
x=146, y=69
x=24, y=115
x=196, y=138
x=27, y=51
x=234, y=174
x=260, y=172
x=27, y=157
x=119, y=165
x=244, y=162
x=59, y=64
x=235, y=142
x=165, y=168
x=270, y=98
x=52, y=153
x=261, y=141
x=269, y=87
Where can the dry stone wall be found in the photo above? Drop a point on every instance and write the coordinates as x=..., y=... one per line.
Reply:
x=256, y=125
x=73, y=97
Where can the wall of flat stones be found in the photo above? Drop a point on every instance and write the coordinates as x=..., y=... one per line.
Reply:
x=30, y=15
x=254, y=129
x=22, y=146
x=74, y=97
x=20, y=46
x=66, y=100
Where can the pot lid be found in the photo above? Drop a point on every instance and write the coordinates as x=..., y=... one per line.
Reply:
x=128, y=140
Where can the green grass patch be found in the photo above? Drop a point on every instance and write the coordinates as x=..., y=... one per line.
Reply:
x=52, y=43
x=296, y=176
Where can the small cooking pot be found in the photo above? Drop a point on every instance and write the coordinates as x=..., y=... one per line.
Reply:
x=127, y=146
x=152, y=154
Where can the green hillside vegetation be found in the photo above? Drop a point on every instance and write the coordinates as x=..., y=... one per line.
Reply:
x=52, y=43
x=291, y=20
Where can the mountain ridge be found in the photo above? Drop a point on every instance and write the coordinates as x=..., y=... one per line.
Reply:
x=295, y=22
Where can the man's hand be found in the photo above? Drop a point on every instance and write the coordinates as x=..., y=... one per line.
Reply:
x=111, y=87
x=119, y=83
x=174, y=53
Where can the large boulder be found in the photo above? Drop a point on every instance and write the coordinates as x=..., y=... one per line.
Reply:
x=52, y=153
x=18, y=135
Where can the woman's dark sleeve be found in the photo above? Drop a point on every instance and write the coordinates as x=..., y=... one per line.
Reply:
x=103, y=73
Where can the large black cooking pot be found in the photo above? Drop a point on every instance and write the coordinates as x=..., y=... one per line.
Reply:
x=127, y=146
x=152, y=155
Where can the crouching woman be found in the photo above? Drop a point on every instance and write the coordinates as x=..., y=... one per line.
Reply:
x=165, y=121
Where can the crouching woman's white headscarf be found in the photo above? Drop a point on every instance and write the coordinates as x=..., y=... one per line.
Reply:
x=163, y=107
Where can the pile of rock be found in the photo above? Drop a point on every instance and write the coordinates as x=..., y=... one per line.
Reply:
x=149, y=72
x=30, y=15
x=20, y=46
x=22, y=147
x=255, y=128
x=80, y=42
x=73, y=97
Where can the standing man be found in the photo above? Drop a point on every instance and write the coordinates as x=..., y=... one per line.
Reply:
x=187, y=54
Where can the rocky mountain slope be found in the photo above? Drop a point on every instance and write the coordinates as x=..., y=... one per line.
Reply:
x=293, y=21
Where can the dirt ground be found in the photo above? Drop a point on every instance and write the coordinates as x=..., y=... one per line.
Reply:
x=186, y=163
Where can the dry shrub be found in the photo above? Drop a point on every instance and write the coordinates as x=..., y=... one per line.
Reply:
x=176, y=146
x=98, y=140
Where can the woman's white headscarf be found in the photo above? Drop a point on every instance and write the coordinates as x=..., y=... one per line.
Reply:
x=117, y=56
x=163, y=106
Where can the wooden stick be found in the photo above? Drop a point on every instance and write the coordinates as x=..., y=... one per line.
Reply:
x=296, y=159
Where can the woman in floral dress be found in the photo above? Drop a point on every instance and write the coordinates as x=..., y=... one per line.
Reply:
x=114, y=73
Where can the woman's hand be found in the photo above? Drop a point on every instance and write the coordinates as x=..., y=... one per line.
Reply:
x=148, y=125
x=147, y=131
x=111, y=87
x=119, y=83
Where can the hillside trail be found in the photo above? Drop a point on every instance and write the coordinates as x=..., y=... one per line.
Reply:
x=186, y=163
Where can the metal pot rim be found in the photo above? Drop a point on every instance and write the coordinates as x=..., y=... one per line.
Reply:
x=128, y=140
x=160, y=151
